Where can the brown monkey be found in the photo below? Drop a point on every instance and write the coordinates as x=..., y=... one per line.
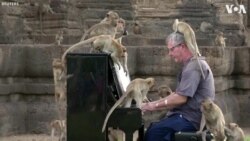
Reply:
x=120, y=30
x=43, y=8
x=137, y=28
x=110, y=16
x=234, y=132
x=58, y=126
x=220, y=40
x=59, y=37
x=59, y=80
x=119, y=135
x=107, y=44
x=116, y=134
x=164, y=91
x=190, y=39
x=137, y=90
x=106, y=27
x=213, y=118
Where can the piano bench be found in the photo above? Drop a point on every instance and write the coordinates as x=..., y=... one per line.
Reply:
x=191, y=136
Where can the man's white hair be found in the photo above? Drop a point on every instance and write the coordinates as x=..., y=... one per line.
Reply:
x=176, y=38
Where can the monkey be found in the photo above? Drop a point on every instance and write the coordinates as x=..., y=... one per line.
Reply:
x=116, y=134
x=190, y=39
x=43, y=8
x=119, y=135
x=137, y=28
x=110, y=16
x=137, y=89
x=120, y=30
x=124, y=62
x=220, y=40
x=59, y=37
x=234, y=132
x=106, y=27
x=59, y=80
x=60, y=127
x=106, y=44
x=164, y=91
x=214, y=120
x=206, y=27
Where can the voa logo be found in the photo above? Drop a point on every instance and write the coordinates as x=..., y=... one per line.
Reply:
x=235, y=8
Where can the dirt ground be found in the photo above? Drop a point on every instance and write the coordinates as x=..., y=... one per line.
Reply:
x=29, y=138
x=47, y=137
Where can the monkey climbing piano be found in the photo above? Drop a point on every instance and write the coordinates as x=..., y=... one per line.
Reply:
x=95, y=86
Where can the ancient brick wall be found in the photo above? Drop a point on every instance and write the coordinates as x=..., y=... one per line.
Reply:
x=26, y=83
x=26, y=52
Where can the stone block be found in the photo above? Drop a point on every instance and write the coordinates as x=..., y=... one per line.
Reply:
x=41, y=111
x=12, y=118
x=223, y=83
x=154, y=61
x=242, y=61
x=230, y=105
x=242, y=82
x=221, y=61
x=12, y=60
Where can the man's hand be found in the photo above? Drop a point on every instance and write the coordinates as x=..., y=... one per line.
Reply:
x=149, y=106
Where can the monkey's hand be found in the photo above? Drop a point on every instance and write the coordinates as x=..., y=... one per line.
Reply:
x=199, y=132
x=119, y=66
x=126, y=73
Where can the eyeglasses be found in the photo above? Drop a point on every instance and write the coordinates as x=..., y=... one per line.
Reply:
x=172, y=48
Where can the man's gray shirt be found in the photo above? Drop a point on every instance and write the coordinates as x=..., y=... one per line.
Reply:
x=196, y=88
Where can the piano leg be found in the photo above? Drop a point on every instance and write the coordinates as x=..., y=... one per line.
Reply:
x=141, y=133
x=129, y=136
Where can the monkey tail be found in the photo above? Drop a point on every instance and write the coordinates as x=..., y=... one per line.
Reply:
x=113, y=108
x=77, y=45
x=84, y=36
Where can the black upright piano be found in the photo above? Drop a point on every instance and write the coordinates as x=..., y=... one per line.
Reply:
x=92, y=90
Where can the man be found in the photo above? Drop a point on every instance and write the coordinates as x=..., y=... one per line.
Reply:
x=184, y=103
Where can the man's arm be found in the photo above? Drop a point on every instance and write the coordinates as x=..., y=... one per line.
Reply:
x=169, y=102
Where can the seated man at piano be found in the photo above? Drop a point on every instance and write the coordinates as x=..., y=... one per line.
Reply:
x=184, y=113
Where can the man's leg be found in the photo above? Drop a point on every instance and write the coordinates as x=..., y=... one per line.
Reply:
x=164, y=130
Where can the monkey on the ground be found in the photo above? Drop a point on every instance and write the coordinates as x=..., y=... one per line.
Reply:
x=106, y=44
x=59, y=37
x=190, y=39
x=213, y=119
x=220, y=40
x=106, y=27
x=119, y=135
x=59, y=127
x=137, y=28
x=234, y=132
x=137, y=89
x=115, y=134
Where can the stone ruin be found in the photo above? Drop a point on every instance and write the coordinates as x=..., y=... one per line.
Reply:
x=27, y=47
